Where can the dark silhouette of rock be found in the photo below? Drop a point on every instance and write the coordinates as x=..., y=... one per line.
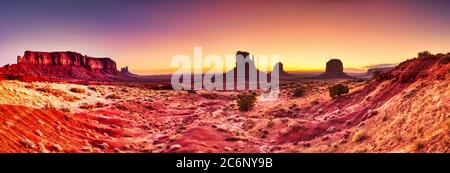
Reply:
x=280, y=68
x=66, y=59
x=334, y=70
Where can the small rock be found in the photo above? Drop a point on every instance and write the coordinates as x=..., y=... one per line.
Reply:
x=175, y=147
x=87, y=149
x=42, y=148
x=57, y=147
x=331, y=129
x=227, y=149
x=116, y=150
x=40, y=122
x=28, y=144
x=103, y=145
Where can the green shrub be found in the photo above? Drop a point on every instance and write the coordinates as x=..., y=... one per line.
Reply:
x=338, y=90
x=246, y=101
x=298, y=92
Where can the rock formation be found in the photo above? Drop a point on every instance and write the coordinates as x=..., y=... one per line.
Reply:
x=280, y=68
x=334, y=70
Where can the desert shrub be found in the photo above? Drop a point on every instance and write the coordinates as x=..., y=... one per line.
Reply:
x=71, y=98
x=359, y=136
x=65, y=109
x=376, y=74
x=298, y=92
x=418, y=146
x=77, y=90
x=92, y=88
x=113, y=96
x=191, y=91
x=424, y=54
x=246, y=101
x=338, y=90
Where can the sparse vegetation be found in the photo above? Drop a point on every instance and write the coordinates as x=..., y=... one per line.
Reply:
x=359, y=136
x=77, y=90
x=298, y=92
x=113, y=96
x=338, y=90
x=246, y=101
x=92, y=88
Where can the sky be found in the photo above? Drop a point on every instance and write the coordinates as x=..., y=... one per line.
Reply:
x=146, y=35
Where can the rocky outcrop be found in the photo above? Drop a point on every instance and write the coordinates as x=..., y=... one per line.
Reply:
x=72, y=59
x=280, y=68
x=334, y=70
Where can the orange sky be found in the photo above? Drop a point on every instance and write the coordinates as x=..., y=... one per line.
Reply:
x=304, y=34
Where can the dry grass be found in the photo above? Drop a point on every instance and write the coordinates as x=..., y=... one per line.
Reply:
x=113, y=96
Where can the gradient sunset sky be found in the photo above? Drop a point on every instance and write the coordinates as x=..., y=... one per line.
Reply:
x=145, y=35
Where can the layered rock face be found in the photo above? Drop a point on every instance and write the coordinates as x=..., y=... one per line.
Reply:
x=334, y=70
x=72, y=59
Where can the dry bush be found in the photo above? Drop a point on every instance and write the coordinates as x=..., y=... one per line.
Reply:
x=338, y=90
x=113, y=96
x=77, y=90
x=359, y=136
x=49, y=90
x=298, y=92
x=71, y=98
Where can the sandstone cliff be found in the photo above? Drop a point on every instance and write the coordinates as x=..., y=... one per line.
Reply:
x=66, y=59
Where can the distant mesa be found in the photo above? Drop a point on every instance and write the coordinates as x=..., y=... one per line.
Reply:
x=67, y=59
x=334, y=70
